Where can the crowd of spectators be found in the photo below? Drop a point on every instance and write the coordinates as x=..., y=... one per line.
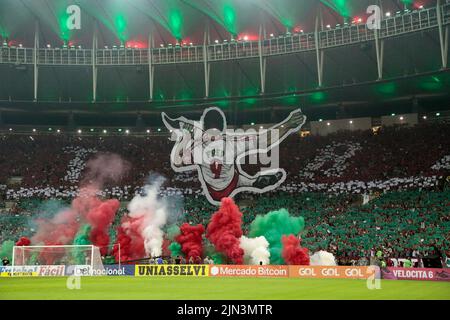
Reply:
x=408, y=224
x=356, y=162
x=407, y=166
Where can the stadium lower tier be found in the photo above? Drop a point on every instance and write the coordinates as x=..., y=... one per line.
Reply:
x=410, y=224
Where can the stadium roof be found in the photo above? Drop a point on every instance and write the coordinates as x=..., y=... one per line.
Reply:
x=350, y=72
x=169, y=21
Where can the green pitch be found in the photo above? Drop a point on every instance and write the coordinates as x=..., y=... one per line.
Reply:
x=165, y=288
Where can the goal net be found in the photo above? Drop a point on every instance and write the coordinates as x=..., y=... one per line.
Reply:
x=77, y=260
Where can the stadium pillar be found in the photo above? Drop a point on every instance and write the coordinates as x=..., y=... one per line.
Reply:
x=262, y=61
x=151, y=68
x=35, y=62
x=206, y=63
x=379, y=47
x=94, y=65
x=319, y=52
x=443, y=35
x=1, y=120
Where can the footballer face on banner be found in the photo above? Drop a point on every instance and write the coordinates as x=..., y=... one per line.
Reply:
x=217, y=153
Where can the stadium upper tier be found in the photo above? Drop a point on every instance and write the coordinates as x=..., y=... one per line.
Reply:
x=354, y=162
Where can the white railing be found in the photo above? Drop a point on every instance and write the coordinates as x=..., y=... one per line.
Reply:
x=348, y=34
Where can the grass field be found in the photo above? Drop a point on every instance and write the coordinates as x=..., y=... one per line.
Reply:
x=164, y=288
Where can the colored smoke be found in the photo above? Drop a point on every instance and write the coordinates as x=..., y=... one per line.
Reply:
x=293, y=253
x=81, y=238
x=129, y=244
x=322, y=258
x=191, y=240
x=87, y=208
x=273, y=226
x=256, y=250
x=152, y=214
x=175, y=249
x=23, y=241
x=6, y=249
x=224, y=231
x=104, y=168
x=143, y=225
x=172, y=232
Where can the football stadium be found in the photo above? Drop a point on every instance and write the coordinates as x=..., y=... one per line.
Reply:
x=224, y=150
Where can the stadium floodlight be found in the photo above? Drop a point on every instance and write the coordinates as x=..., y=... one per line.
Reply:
x=81, y=260
x=148, y=131
x=401, y=118
x=10, y=129
x=351, y=121
x=393, y=114
x=127, y=131
x=388, y=14
x=320, y=120
x=438, y=114
x=79, y=131
x=59, y=131
x=159, y=129
x=252, y=123
x=424, y=117
x=34, y=130
x=271, y=35
x=104, y=131
x=49, y=46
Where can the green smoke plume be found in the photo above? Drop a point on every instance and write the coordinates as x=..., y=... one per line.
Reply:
x=273, y=226
x=175, y=249
x=218, y=258
x=82, y=238
x=7, y=249
x=172, y=232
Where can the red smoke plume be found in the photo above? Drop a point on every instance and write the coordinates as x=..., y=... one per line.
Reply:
x=100, y=216
x=23, y=241
x=59, y=230
x=62, y=228
x=87, y=207
x=224, y=231
x=190, y=239
x=130, y=240
x=293, y=253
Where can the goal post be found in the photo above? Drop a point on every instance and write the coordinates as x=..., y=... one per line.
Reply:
x=81, y=259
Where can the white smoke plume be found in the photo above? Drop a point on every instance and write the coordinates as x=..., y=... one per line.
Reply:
x=151, y=213
x=322, y=258
x=256, y=250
